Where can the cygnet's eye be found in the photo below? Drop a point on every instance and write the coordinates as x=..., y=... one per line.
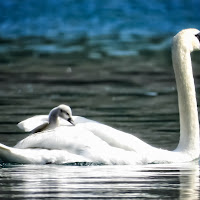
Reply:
x=64, y=112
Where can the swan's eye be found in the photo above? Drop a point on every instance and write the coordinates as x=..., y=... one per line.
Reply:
x=198, y=36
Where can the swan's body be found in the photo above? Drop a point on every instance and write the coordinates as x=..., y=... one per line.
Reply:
x=48, y=122
x=90, y=141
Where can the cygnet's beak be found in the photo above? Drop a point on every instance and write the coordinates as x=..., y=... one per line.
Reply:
x=70, y=120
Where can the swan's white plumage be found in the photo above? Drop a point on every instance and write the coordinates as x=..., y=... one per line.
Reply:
x=33, y=122
x=91, y=141
x=38, y=156
x=81, y=142
x=112, y=136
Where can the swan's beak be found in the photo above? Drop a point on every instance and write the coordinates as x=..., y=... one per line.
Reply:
x=70, y=120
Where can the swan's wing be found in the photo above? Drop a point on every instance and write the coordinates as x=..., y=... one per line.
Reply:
x=38, y=156
x=82, y=120
x=113, y=136
x=80, y=142
x=107, y=134
x=70, y=138
x=31, y=123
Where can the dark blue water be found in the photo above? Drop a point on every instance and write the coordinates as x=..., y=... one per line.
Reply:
x=113, y=27
x=65, y=18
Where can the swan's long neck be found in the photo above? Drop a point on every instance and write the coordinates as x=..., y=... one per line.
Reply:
x=189, y=123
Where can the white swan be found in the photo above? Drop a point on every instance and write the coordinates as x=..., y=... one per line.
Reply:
x=48, y=122
x=90, y=141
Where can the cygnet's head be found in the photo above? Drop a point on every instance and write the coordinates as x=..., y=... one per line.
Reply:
x=62, y=111
x=187, y=39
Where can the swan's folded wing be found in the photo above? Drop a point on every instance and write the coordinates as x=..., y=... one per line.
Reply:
x=31, y=123
x=82, y=120
x=62, y=137
x=113, y=136
x=79, y=142
x=107, y=134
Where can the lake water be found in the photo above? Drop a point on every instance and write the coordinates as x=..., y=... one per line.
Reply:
x=111, y=62
x=100, y=182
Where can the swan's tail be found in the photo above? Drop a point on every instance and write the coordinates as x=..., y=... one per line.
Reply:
x=12, y=155
x=38, y=156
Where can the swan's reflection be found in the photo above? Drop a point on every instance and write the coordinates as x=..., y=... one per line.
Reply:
x=149, y=181
x=189, y=184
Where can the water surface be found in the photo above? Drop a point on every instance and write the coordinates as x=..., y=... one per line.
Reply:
x=100, y=182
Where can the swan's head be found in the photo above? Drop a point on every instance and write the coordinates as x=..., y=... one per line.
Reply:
x=188, y=39
x=62, y=111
